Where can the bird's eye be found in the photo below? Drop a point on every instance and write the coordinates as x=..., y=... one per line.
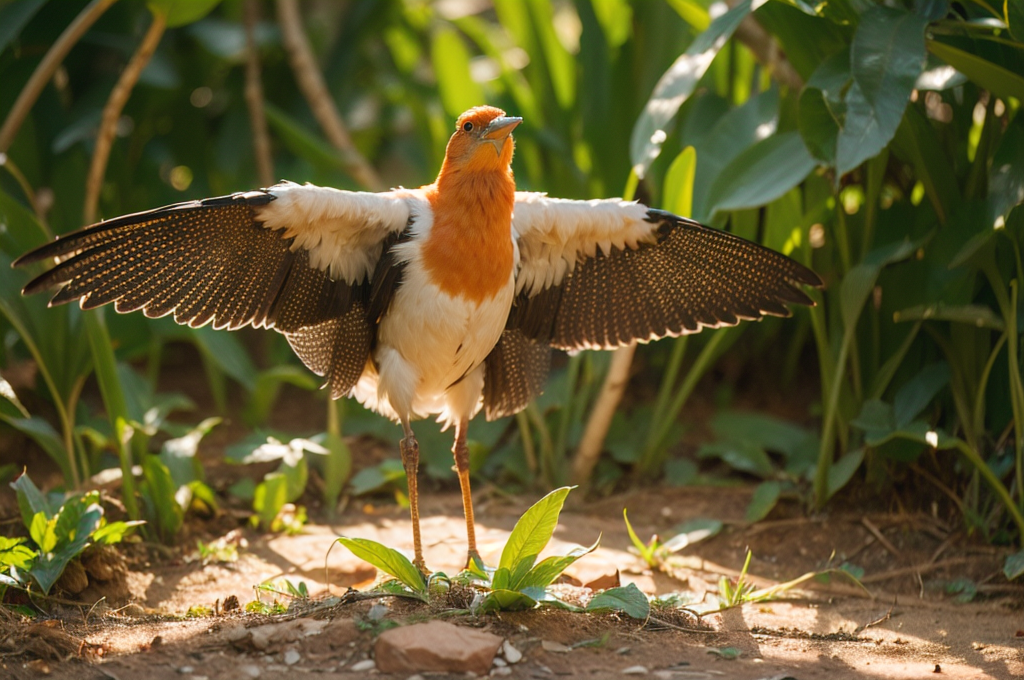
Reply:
x=467, y=126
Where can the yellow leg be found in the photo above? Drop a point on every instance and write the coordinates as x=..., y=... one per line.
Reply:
x=461, y=453
x=410, y=449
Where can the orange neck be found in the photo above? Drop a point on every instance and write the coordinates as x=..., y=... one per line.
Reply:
x=469, y=250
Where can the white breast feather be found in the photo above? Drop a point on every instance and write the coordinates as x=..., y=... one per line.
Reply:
x=341, y=230
x=555, y=233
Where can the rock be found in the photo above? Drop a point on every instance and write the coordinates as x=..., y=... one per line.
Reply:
x=501, y=670
x=273, y=634
x=291, y=657
x=556, y=647
x=364, y=665
x=436, y=646
x=499, y=662
x=186, y=670
x=250, y=671
x=512, y=655
x=635, y=670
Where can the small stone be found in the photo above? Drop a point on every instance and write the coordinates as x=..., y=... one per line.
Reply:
x=292, y=657
x=501, y=670
x=499, y=662
x=555, y=647
x=635, y=670
x=186, y=670
x=623, y=650
x=512, y=655
x=415, y=676
x=436, y=646
x=364, y=665
x=250, y=671
x=664, y=675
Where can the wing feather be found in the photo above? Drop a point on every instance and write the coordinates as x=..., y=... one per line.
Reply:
x=603, y=274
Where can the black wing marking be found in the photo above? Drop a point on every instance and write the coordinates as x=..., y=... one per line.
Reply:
x=211, y=261
x=692, y=277
x=514, y=373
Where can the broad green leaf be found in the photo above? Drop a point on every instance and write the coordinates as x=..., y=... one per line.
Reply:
x=766, y=495
x=14, y=16
x=627, y=599
x=1001, y=81
x=679, y=183
x=692, y=13
x=43, y=531
x=1006, y=178
x=979, y=316
x=336, y=467
x=822, y=109
x=743, y=456
x=506, y=601
x=886, y=57
x=450, y=58
x=761, y=174
x=114, y=532
x=860, y=280
x=159, y=494
x=772, y=433
x=533, y=530
x=561, y=65
x=1014, y=566
x=918, y=392
x=388, y=560
x=182, y=12
x=43, y=434
x=13, y=553
x=677, y=83
x=31, y=500
x=616, y=19
x=270, y=496
x=373, y=479
x=1013, y=15
x=48, y=567
x=550, y=568
x=842, y=470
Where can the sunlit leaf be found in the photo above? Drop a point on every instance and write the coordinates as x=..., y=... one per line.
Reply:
x=627, y=599
x=762, y=173
x=679, y=183
x=506, y=601
x=1001, y=81
x=978, y=316
x=676, y=85
x=548, y=569
x=533, y=530
x=766, y=495
x=450, y=58
x=388, y=560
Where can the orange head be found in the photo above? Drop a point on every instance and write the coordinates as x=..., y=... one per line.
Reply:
x=482, y=141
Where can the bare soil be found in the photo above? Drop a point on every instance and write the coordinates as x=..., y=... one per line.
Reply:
x=904, y=626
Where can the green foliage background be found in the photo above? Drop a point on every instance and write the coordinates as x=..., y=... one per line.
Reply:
x=881, y=144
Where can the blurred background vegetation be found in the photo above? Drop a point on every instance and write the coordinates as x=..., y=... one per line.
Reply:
x=880, y=143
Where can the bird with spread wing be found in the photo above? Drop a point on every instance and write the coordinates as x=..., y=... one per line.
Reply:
x=445, y=300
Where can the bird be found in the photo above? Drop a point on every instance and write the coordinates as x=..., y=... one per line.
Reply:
x=445, y=300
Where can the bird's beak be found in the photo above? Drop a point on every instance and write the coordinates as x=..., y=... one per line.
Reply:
x=500, y=128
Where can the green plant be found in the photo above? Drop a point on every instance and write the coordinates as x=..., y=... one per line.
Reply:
x=655, y=552
x=61, y=530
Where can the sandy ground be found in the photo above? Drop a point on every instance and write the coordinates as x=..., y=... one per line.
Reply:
x=904, y=626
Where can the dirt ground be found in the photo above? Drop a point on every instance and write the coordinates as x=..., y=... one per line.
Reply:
x=906, y=626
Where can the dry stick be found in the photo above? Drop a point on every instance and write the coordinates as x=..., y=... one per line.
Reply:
x=311, y=82
x=54, y=56
x=112, y=112
x=919, y=569
x=254, y=97
x=877, y=533
x=601, y=415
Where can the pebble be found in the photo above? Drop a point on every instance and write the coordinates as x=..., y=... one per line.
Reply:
x=556, y=647
x=250, y=671
x=635, y=670
x=512, y=655
x=291, y=657
x=186, y=670
x=501, y=670
x=364, y=665
x=498, y=661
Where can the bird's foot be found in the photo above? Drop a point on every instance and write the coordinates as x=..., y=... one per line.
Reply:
x=409, y=446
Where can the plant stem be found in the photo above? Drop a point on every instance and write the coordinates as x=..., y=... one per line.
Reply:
x=44, y=71
x=827, y=440
x=985, y=471
x=254, y=96
x=529, y=451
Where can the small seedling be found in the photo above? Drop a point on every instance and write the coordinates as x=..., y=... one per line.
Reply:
x=217, y=552
x=649, y=551
x=518, y=582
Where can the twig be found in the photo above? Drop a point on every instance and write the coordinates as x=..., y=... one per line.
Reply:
x=312, y=84
x=877, y=533
x=254, y=97
x=601, y=414
x=660, y=622
x=882, y=619
x=112, y=112
x=918, y=569
x=764, y=48
x=54, y=56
